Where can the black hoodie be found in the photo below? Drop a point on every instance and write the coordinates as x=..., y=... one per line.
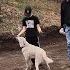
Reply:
x=65, y=13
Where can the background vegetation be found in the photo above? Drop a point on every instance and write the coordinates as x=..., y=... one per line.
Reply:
x=12, y=12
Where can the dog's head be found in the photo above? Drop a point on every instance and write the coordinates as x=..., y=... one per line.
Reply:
x=21, y=40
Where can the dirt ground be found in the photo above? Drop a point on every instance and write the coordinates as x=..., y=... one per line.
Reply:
x=53, y=43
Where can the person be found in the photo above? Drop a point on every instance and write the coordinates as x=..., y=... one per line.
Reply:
x=65, y=22
x=31, y=27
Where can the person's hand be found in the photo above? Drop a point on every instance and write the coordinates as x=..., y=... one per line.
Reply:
x=18, y=35
x=61, y=31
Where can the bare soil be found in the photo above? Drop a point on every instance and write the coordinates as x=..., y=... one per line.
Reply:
x=53, y=43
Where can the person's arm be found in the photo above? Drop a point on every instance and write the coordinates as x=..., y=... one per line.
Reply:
x=22, y=31
x=39, y=28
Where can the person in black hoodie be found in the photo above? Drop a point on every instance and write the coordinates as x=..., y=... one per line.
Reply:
x=65, y=22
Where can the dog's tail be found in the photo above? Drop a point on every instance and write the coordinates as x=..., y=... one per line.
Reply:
x=47, y=59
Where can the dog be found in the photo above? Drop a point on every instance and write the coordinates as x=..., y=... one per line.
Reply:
x=30, y=51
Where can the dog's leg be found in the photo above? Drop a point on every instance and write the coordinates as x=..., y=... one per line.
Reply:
x=48, y=66
x=26, y=66
x=37, y=62
x=47, y=60
x=30, y=64
x=36, y=65
x=26, y=60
